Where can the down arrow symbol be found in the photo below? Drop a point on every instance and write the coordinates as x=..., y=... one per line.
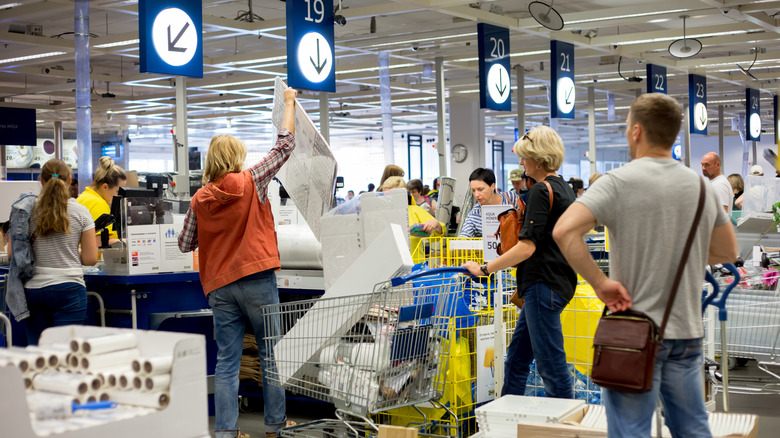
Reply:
x=317, y=65
x=500, y=86
x=172, y=44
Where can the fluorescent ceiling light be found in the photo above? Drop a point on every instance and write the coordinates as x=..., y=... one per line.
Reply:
x=9, y=5
x=258, y=60
x=419, y=40
x=536, y=52
x=117, y=44
x=231, y=84
x=658, y=40
x=359, y=70
x=618, y=17
x=28, y=57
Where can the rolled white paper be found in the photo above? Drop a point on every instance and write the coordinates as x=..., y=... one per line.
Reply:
x=75, y=345
x=54, y=353
x=156, y=400
x=109, y=343
x=49, y=405
x=160, y=382
x=111, y=376
x=21, y=363
x=138, y=382
x=98, y=362
x=62, y=383
x=27, y=383
x=74, y=361
x=137, y=365
x=103, y=396
x=157, y=365
x=125, y=380
x=35, y=361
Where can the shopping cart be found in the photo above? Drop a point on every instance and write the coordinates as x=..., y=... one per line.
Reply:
x=718, y=300
x=371, y=352
x=752, y=330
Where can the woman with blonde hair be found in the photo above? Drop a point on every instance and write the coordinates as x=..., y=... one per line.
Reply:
x=230, y=220
x=544, y=278
x=105, y=185
x=56, y=294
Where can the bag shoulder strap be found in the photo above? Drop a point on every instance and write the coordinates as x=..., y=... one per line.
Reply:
x=684, y=259
x=550, y=192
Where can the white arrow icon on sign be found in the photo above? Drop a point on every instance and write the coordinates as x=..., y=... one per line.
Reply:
x=314, y=57
x=498, y=83
x=755, y=125
x=174, y=36
x=700, y=116
x=566, y=95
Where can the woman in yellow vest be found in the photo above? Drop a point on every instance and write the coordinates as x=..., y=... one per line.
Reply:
x=97, y=197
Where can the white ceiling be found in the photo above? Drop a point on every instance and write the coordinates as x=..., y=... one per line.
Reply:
x=242, y=58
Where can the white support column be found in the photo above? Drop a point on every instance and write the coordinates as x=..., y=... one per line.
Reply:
x=592, y=129
x=181, y=152
x=324, y=116
x=58, y=149
x=721, y=130
x=687, y=131
x=442, y=148
x=386, y=105
x=520, y=71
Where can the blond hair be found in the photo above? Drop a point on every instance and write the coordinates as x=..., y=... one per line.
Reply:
x=593, y=178
x=52, y=206
x=393, y=182
x=543, y=145
x=109, y=173
x=226, y=155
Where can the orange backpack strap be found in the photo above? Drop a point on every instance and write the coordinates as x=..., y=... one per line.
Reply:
x=550, y=192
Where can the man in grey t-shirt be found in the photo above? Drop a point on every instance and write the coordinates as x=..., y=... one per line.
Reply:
x=710, y=167
x=647, y=236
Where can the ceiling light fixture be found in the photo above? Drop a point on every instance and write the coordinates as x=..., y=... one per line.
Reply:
x=618, y=17
x=28, y=57
x=686, y=47
x=9, y=5
x=545, y=15
x=117, y=44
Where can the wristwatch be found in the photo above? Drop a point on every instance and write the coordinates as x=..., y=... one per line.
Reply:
x=484, y=269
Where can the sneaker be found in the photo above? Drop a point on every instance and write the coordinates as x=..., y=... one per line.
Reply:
x=289, y=423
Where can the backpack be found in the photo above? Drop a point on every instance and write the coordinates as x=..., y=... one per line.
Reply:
x=510, y=223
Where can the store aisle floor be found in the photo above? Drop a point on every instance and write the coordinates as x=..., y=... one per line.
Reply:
x=766, y=406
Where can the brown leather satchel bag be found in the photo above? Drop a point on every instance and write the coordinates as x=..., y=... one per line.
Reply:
x=626, y=343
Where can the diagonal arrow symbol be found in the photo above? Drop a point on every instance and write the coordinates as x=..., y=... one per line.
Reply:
x=500, y=86
x=172, y=44
x=568, y=95
x=317, y=65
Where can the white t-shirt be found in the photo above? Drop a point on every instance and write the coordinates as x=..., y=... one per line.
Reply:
x=723, y=190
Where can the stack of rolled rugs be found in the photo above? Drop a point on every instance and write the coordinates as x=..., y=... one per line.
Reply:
x=100, y=368
x=250, y=361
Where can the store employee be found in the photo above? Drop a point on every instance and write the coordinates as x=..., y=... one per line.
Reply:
x=97, y=197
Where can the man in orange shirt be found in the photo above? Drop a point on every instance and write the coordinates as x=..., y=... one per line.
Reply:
x=230, y=220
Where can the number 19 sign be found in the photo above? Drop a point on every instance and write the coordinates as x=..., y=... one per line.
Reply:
x=562, y=80
x=310, y=47
x=494, y=84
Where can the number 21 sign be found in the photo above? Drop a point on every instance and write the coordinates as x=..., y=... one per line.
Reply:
x=562, y=80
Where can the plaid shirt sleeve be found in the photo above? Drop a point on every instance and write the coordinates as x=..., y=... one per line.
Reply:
x=188, y=238
x=264, y=171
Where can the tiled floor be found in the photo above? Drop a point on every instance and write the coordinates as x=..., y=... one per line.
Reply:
x=766, y=406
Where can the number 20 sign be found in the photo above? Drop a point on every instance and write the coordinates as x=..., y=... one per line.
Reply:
x=495, y=86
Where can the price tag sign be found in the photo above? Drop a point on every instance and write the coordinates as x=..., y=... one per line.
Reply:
x=656, y=79
x=753, y=111
x=562, y=80
x=311, y=52
x=697, y=97
x=489, y=227
x=495, y=85
x=170, y=37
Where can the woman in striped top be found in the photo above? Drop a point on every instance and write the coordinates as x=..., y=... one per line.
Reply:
x=56, y=294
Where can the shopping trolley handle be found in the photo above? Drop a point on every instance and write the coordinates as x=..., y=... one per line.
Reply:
x=721, y=302
x=397, y=281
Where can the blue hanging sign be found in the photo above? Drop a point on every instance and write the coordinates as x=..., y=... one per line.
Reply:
x=170, y=37
x=697, y=98
x=311, y=52
x=753, y=111
x=656, y=79
x=562, y=80
x=495, y=85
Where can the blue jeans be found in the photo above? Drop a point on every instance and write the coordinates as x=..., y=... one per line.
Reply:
x=678, y=378
x=538, y=335
x=54, y=306
x=233, y=305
